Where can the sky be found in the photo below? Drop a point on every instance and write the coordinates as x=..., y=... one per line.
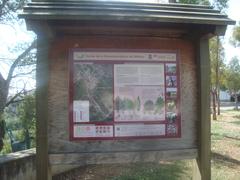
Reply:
x=10, y=36
x=233, y=12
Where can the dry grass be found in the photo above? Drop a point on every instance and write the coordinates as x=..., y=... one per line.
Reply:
x=226, y=146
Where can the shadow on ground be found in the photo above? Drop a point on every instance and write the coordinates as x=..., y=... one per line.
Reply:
x=225, y=160
x=236, y=122
x=147, y=171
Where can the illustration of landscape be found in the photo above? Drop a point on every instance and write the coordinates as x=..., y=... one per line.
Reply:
x=139, y=103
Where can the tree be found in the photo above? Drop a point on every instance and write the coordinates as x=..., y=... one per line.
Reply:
x=8, y=9
x=235, y=40
x=217, y=62
x=216, y=52
x=233, y=79
x=221, y=5
x=8, y=16
x=27, y=115
x=26, y=58
x=202, y=2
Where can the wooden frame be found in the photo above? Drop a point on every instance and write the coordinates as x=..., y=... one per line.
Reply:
x=42, y=82
x=204, y=160
x=43, y=156
x=71, y=89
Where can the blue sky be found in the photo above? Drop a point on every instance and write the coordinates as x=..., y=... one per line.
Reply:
x=10, y=36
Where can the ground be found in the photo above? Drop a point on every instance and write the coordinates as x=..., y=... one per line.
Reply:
x=225, y=134
x=226, y=146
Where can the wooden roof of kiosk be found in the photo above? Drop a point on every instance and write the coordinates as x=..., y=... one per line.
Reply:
x=180, y=23
x=82, y=10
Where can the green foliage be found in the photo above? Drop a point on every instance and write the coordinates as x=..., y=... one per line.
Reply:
x=159, y=104
x=138, y=103
x=221, y=5
x=218, y=4
x=117, y=103
x=235, y=40
x=21, y=122
x=233, y=75
x=26, y=57
x=2, y=131
x=218, y=67
x=154, y=171
x=233, y=78
x=148, y=105
x=202, y=2
x=129, y=104
x=27, y=115
x=7, y=146
x=125, y=104
x=8, y=9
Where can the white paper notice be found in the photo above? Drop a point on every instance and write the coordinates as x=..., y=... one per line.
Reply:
x=81, y=111
x=139, y=74
x=84, y=131
x=128, y=130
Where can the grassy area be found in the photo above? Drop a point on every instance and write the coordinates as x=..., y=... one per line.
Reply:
x=225, y=159
x=177, y=170
x=226, y=146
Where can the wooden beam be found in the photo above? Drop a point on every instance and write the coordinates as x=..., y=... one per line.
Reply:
x=122, y=157
x=204, y=160
x=42, y=77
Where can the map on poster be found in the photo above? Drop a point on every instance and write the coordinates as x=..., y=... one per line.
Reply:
x=121, y=95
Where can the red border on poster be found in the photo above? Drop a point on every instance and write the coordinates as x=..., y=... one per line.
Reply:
x=71, y=94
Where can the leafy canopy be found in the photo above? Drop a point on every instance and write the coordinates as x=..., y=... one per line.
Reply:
x=203, y=2
x=235, y=40
x=233, y=75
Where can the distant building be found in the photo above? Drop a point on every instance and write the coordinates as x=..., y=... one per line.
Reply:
x=224, y=96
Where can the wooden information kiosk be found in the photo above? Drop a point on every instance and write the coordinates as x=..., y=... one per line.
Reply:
x=122, y=82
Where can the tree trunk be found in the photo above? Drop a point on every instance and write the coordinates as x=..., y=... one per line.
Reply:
x=3, y=100
x=2, y=130
x=218, y=103
x=217, y=77
x=214, y=113
x=236, y=101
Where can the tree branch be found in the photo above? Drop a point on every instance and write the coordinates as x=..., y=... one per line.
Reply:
x=23, y=74
x=1, y=78
x=17, y=61
x=13, y=99
x=4, y=2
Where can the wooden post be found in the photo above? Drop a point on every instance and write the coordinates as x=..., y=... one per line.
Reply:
x=204, y=160
x=42, y=74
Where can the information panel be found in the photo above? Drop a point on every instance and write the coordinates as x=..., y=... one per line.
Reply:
x=119, y=95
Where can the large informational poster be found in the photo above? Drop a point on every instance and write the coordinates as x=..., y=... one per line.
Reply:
x=124, y=94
